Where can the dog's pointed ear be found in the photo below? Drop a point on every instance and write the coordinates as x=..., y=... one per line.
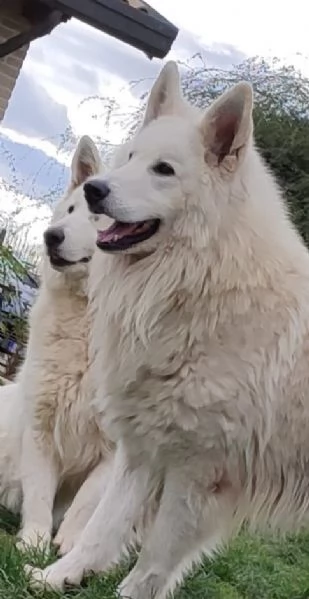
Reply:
x=165, y=94
x=227, y=126
x=86, y=161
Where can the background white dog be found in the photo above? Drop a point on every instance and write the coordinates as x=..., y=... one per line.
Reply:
x=50, y=439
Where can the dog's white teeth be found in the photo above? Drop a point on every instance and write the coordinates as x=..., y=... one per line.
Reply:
x=116, y=237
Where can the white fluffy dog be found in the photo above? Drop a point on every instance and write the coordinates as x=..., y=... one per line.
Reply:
x=200, y=301
x=50, y=439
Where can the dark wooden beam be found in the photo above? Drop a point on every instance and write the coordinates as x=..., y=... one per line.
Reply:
x=40, y=28
x=139, y=26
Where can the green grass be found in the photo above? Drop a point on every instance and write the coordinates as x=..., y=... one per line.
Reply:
x=251, y=569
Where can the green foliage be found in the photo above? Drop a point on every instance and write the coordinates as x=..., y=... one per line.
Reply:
x=11, y=273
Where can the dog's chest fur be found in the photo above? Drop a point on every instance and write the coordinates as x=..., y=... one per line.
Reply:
x=154, y=363
x=172, y=372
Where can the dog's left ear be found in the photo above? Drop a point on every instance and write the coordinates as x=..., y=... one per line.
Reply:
x=86, y=161
x=227, y=126
x=165, y=95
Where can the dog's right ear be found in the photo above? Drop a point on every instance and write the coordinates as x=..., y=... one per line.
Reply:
x=165, y=95
x=227, y=126
x=86, y=161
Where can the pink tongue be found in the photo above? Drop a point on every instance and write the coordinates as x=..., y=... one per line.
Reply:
x=116, y=231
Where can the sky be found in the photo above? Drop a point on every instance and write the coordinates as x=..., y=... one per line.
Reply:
x=66, y=72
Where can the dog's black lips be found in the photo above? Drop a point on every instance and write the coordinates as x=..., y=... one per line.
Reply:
x=60, y=262
x=121, y=236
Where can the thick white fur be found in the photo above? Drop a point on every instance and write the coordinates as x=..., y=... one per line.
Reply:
x=201, y=347
x=11, y=424
x=51, y=438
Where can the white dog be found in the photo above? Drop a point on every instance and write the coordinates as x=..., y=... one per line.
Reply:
x=50, y=439
x=200, y=341
x=11, y=426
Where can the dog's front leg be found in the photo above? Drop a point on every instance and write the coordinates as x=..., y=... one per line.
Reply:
x=83, y=506
x=108, y=531
x=187, y=524
x=39, y=478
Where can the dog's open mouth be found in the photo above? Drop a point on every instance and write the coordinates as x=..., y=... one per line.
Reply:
x=121, y=236
x=59, y=262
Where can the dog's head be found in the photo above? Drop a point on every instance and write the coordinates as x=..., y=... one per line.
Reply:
x=177, y=165
x=70, y=239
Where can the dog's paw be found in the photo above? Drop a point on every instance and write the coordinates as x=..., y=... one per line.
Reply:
x=135, y=586
x=55, y=577
x=129, y=588
x=70, y=531
x=65, y=540
x=33, y=538
x=36, y=576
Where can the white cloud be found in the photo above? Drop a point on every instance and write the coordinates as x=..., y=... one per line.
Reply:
x=76, y=61
x=266, y=28
x=89, y=115
x=40, y=144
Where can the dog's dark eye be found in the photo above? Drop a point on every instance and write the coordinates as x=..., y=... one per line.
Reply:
x=130, y=155
x=70, y=209
x=163, y=168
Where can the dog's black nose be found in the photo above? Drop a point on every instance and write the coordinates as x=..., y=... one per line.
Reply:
x=95, y=192
x=53, y=237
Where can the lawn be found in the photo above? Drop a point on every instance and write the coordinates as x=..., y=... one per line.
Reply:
x=251, y=569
